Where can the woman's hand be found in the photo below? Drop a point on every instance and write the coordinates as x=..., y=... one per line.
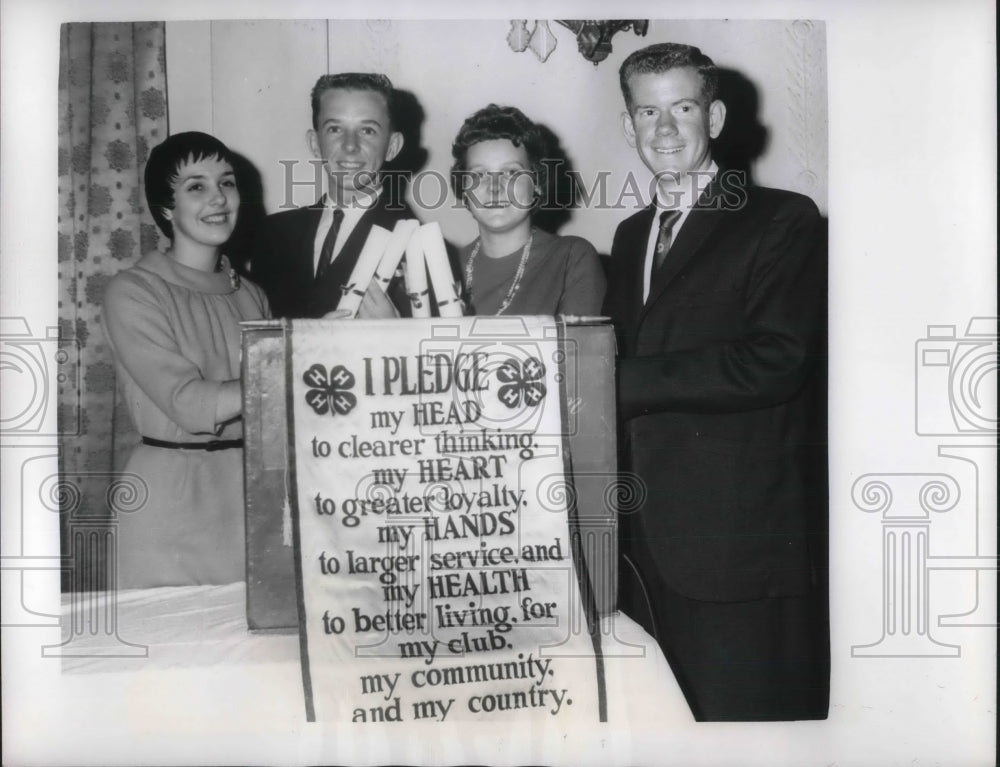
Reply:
x=230, y=402
x=338, y=314
x=376, y=304
x=459, y=289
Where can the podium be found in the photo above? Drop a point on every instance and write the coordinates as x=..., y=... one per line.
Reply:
x=589, y=423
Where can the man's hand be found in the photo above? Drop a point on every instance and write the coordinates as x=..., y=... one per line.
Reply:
x=376, y=304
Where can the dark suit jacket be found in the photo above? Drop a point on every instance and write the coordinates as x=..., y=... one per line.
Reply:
x=722, y=395
x=282, y=260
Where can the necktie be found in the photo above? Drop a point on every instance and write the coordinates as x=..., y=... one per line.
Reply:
x=326, y=252
x=667, y=220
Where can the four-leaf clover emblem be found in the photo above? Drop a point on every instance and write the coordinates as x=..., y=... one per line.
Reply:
x=330, y=393
x=521, y=382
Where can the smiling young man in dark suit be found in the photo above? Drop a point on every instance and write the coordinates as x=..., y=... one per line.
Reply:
x=305, y=256
x=718, y=293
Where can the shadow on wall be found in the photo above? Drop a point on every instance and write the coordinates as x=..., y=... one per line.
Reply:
x=743, y=139
x=562, y=190
x=408, y=118
x=252, y=212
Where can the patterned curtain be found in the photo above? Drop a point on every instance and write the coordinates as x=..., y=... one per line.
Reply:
x=112, y=109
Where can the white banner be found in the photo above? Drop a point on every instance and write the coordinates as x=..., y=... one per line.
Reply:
x=435, y=567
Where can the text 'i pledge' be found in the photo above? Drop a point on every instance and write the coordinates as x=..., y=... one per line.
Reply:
x=432, y=603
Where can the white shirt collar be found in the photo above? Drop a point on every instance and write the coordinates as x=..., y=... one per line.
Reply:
x=683, y=201
x=361, y=202
x=686, y=197
x=352, y=215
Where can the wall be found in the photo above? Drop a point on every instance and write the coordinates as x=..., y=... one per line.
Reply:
x=248, y=82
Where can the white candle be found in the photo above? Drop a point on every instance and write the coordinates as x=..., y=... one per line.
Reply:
x=440, y=270
x=364, y=269
x=416, y=278
x=394, y=251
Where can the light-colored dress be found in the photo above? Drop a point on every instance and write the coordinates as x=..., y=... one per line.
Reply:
x=563, y=275
x=175, y=335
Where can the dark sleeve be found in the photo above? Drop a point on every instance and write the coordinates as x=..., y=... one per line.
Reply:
x=584, y=285
x=263, y=264
x=784, y=316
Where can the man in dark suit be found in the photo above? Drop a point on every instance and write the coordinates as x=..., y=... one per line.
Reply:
x=718, y=294
x=303, y=258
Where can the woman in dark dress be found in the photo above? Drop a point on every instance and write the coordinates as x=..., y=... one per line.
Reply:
x=514, y=267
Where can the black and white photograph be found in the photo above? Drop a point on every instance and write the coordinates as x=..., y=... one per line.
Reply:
x=386, y=385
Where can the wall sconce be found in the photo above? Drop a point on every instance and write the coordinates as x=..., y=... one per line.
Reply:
x=593, y=38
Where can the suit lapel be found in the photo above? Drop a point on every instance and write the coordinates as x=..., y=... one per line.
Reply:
x=348, y=255
x=328, y=292
x=307, y=243
x=376, y=214
x=387, y=213
x=635, y=240
x=703, y=219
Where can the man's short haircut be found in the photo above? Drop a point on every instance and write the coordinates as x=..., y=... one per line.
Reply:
x=662, y=57
x=494, y=122
x=354, y=81
x=164, y=165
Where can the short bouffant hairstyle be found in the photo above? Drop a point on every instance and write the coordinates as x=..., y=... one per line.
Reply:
x=496, y=122
x=354, y=81
x=164, y=165
x=662, y=57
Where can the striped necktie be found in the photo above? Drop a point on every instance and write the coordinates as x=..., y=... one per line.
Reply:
x=667, y=220
x=326, y=252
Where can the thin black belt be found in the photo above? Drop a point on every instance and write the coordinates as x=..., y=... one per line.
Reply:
x=218, y=444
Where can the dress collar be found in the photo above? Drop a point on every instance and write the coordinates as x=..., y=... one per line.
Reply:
x=176, y=273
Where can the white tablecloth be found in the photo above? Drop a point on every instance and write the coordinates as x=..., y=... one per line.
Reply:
x=178, y=666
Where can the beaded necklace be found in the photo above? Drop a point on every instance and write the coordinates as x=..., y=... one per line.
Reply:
x=224, y=266
x=515, y=284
